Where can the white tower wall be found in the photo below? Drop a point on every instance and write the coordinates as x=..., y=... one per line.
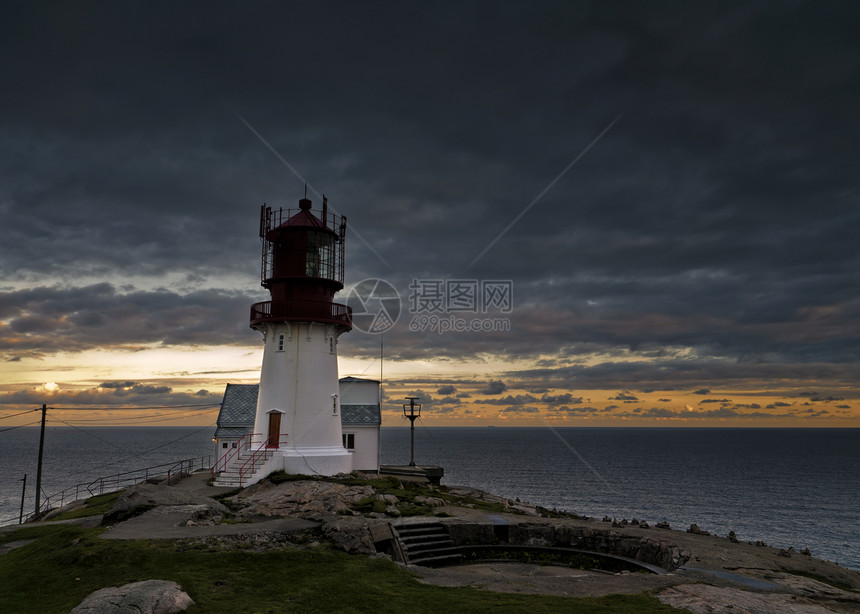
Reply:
x=299, y=380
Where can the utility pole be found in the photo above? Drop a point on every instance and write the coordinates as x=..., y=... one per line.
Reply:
x=41, y=451
x=23, y=492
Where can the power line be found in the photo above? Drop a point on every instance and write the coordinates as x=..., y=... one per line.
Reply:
x=129, y=453
x=147, y=418
x=12, y=428
x=18, y=414
x=94, y=436
x=134, y=407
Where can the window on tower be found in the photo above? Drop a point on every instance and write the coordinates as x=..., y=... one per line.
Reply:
x=280, y=343
x=312, y=258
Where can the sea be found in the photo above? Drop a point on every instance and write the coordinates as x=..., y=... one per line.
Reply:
x=786, y=487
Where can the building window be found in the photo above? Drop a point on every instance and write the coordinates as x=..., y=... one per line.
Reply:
x=234, y=444
x=280, y=343
x=331, y=345
x=349, y=441
x=224, y=445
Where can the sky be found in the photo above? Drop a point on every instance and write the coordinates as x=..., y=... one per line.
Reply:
x=586, y=213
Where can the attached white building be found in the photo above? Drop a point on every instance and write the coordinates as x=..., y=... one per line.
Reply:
x=360, y=421
x=359, y=414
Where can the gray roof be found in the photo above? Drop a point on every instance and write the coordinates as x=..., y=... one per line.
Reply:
x=358, y=415
x=239, y=408
x=232, y=431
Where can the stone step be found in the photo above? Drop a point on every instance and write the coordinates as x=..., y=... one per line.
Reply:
x=423, y=528
x=230, y=476
x=424, y=539
x=227, y=483
x=443, y=556
x=428, y=544
x=413, y=549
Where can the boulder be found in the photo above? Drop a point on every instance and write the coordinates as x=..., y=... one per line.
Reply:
x=147, y=597
x=143, y=497
x=350, y=534
x=429, y=501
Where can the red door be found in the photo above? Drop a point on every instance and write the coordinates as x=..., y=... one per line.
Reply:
x=274, y=430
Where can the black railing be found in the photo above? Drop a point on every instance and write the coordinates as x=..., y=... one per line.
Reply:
x=301, y=311
x=112, y=483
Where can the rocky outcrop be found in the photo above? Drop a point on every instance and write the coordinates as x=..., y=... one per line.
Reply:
x=350, y=534
x=310, y=499
x=328, y=503
x=143, y=497
x=147, y=597
x=812, y=598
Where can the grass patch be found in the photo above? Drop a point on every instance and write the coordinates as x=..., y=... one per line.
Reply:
x=471, y=502
x=94, y=506
x=66, y=563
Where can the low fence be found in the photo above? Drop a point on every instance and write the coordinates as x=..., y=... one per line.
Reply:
x=171, y=472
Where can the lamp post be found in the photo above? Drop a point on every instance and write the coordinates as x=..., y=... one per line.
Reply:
x=412, y=410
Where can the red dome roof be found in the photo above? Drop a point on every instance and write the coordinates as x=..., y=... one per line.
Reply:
x=303, y=219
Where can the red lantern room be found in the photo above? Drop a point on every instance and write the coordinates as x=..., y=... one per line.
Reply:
x=302, y=266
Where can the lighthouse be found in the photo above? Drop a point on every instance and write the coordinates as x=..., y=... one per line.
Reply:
x=298, y=421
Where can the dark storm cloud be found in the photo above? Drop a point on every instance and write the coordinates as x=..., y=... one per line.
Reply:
x=560, y=399
x=45, y=320
x=564, y=409
x=493, y=387
x=520, y=399
x=610, y=375
x=110, y=394
x=519, y=409
x=446, y=390
x=720, y=413
x=718, y=214
x=624, y=396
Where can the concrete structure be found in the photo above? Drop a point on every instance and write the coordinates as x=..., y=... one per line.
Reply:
x=360, y=418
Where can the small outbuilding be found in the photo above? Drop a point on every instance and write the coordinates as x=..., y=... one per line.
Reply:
x=360, y=419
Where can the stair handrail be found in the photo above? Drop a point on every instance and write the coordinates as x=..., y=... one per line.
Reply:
x=261, y=451
x=244, y=442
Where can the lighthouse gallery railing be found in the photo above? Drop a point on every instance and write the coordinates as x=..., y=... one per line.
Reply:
x=301, y=311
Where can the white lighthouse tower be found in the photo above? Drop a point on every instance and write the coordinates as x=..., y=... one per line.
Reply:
x=298, y=418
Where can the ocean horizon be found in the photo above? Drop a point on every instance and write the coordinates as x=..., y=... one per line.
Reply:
x=786, y=486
